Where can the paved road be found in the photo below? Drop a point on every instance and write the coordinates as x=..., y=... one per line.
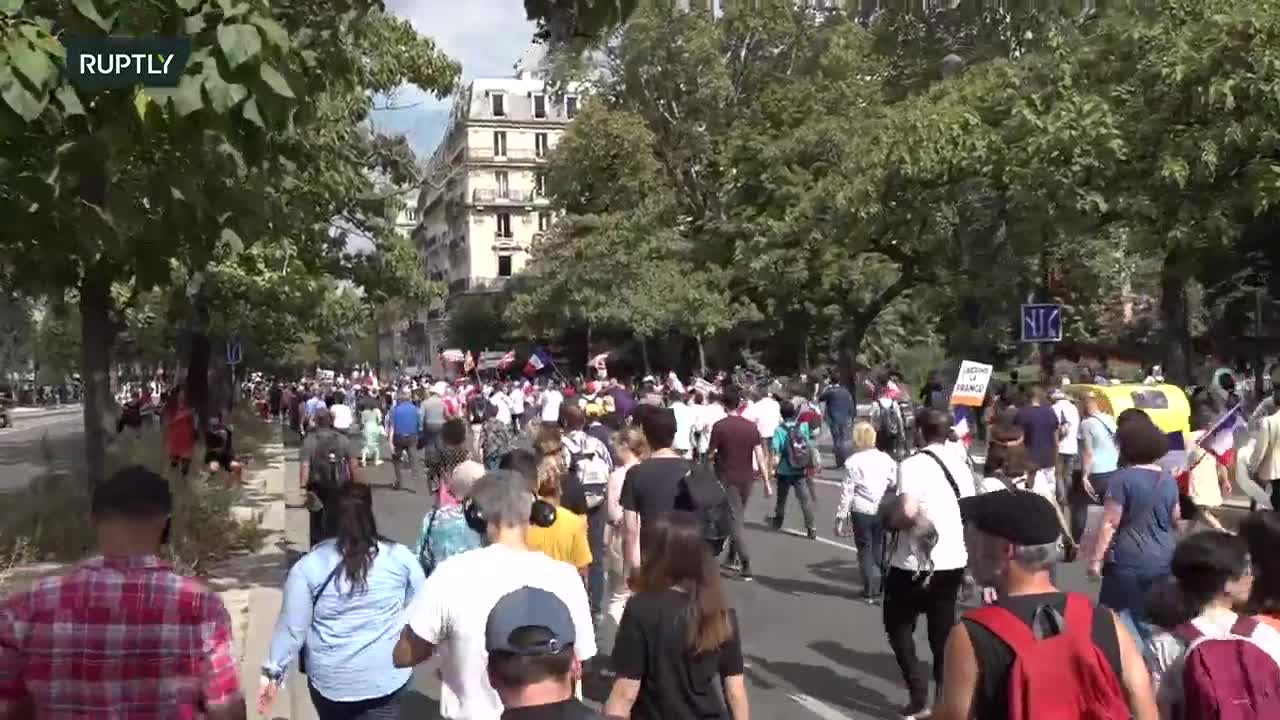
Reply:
x=813, y=650
x=39, y=440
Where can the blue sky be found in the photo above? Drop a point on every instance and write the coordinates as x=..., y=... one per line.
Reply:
x=486, y=36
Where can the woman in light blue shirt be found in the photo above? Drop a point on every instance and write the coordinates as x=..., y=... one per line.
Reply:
x=1099, y=458
x=345, y=601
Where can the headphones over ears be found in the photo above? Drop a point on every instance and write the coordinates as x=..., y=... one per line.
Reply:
x=541, y=514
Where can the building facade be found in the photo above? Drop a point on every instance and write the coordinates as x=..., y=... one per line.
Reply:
x=483, y=203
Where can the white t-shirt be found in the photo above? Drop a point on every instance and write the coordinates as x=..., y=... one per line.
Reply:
x=767, y=414
x=342, y=417
x=451, y=609
x=920, y=477
x=502, y=403
x=685, y=416
x=517, y=401
x=708, y=415
x=551, y=402
x=1069, y=420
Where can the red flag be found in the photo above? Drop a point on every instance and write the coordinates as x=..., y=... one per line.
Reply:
x=507, y=360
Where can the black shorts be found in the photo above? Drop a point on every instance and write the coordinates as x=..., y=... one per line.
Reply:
x=222, y=458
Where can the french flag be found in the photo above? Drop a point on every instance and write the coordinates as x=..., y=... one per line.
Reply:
x=535, y=364
x=1220, y=441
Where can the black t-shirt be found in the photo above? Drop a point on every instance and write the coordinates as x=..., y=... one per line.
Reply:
x=995, y=658
x=650, y=488
x=570, y=709
x=652, y=646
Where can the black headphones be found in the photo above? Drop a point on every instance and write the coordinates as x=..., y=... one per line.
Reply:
x=541, y=514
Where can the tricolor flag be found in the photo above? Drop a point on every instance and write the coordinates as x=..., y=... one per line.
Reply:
x=536, y=362
x=507, y=360
x=469, y=364
x=1220, y=441
x=599, y=362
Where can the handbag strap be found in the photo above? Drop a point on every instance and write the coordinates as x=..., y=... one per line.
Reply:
x=950, y=480
x=426, y=539
x=315, y=599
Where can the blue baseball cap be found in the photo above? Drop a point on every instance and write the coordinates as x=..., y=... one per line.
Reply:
x=528, y=608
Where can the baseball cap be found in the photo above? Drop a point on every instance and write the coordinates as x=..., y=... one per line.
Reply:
x=1019, y=516
x=525, y=609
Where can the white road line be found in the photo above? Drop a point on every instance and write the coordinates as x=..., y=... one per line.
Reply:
x=832, y=543
x=808, y=702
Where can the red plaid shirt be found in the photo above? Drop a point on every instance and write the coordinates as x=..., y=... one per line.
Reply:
x=117, y=638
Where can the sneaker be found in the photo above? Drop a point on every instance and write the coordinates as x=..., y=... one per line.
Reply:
x=915, y=712
x=745, y=574
x=731, y=566
x=813, y=534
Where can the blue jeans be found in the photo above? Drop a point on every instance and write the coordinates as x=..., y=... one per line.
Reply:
x=1124, y=589
x=785, y=484
x=839, y=439
x=383, y=708
x=597, y=520
x=868, y=537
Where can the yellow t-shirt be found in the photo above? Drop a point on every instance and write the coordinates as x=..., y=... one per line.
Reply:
x=565, y=540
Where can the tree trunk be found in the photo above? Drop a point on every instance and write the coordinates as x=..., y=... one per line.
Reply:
x=198, y=363
x=1177, y=329
x=702, y=356
x=644, y=355
x=97, y=334
x=590, y=370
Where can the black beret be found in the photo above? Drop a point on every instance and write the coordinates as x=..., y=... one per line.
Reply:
x=1019, y=516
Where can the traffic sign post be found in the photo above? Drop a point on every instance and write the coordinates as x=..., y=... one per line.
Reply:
x=233, y=352
x=1041, y=322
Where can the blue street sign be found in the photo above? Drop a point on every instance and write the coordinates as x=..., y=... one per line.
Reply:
x=233, y=352
x=1041, y=323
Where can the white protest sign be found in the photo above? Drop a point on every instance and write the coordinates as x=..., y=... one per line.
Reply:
x=971, y=384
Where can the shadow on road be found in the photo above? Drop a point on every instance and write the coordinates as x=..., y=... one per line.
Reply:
x=818, y=681
x=795, y=587
x=879, y=664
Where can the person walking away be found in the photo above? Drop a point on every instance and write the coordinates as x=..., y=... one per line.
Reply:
x=275, y=398
x=440, y=458
x=326, y=463
x=678, y=636
x=1199, y=613
x=529, y=637
x=1140, y=519
x=344, y=605
x=371, y=432
x=565, y=539
x=868, y=474
x=1099, y=459
x=434, y=413
x=495, y=434
x=792, y=446
x=597, y=429
x=450, y=613
x=927, y=555
x=738, y=459
x=590, y=463
x=1068, y=466
x=1208, y=480
x=890, y=425
x=838, y=409
x=1040, y=427
x=161, y=643
x=406, y=426
x=630, y=446
x=1037, y=651
x=651, y=487
x=1264, y=464
x=685, y=418
x=445, y=532
x=179, y=431
x=766, y=413
x=516, y=406
x=711, y=413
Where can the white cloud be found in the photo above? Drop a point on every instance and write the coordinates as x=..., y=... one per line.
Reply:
x=485, y=36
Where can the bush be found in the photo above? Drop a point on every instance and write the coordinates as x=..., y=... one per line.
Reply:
x=49, y=521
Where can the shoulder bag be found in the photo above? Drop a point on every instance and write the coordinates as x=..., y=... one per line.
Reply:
x=302, y=654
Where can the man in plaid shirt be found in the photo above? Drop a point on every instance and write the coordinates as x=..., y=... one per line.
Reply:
x=121, y=635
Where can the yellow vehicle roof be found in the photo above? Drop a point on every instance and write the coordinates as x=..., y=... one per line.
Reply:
x=1167, y=405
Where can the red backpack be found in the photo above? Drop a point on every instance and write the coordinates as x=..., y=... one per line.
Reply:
x=1061, y=677
x=1228, y=678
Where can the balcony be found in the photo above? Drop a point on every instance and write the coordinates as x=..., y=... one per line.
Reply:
x=476, y=284
x=505, y=243
x=486, y=154
x=486, y=196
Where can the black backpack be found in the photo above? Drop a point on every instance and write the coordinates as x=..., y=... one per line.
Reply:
x=330, y=461
x=701, y=493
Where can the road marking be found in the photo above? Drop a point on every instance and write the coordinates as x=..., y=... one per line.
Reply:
x=808, y=702
x=832, y=543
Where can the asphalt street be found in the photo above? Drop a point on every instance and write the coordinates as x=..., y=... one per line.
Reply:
x=40, y=440
x=813, y=649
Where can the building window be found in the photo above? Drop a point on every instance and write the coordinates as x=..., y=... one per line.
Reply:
x=499, y=143
x=540, y=144
x=504, y=225
x=540, y=185
x=544, y=221
x=502, y=181
x=498, y=103
x=570, y=107
x=539, y=106
x=504, y=266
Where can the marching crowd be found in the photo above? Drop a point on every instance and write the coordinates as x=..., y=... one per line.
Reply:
x=576, y=517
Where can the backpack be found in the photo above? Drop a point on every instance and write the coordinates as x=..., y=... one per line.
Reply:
x=329, y=467
x=799, y=450
x=889, y=430
x=701, y=493
x=1063, y=675
x=590, y=469
x=1229, y=678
